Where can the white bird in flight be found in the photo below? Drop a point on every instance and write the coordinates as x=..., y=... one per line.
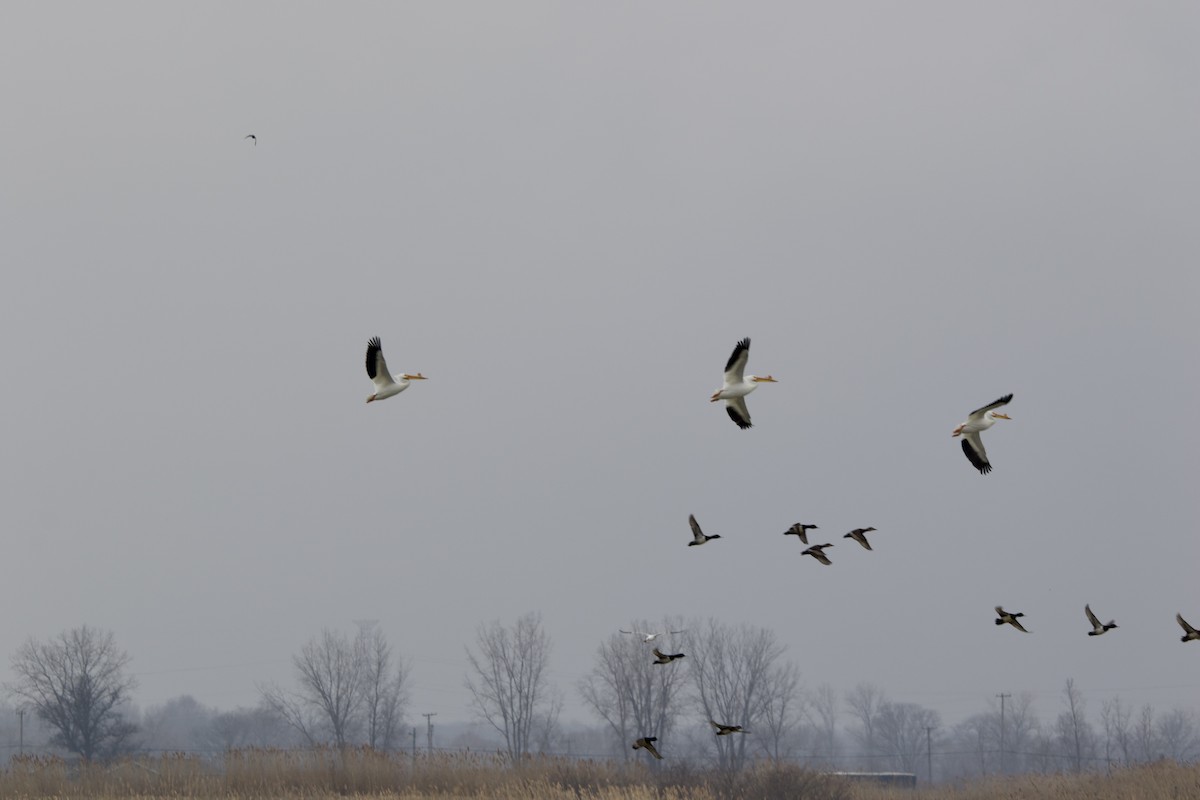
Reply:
x=648, y=637
x=737, y=387
x=977, y=421
x=386, y=384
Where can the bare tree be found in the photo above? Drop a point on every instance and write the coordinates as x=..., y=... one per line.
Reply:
x=1074, y=731
x=181, y=724
x=77, y=683
x=864, y=701
x=633, y=695
x=509, y=683
x=731, y=670
x=824, y=714
x=384, y=689
x=349, y=691
x=1145, y=735
x=1115, y=718
x=1177, y=735
x=248, y=727
x=900, y=730
x=782, y=712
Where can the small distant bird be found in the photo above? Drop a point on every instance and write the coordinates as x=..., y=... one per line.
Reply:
x=1190, y=634
x=698, y=536
x=1011, y=619
x=1097, y=628
x=647, y=743
x=817, y=551
x=253, y=137
x=665, y=658
x=860, y=535
x=725, y=730
x=977, y=421
x=737, y=387
x=801, y=530
x=386, y=384
x=650, y=637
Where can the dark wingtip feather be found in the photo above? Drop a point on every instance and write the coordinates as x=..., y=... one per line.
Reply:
x=738, y=349
x=744, y=424
x=374, y=345
x=977, y=462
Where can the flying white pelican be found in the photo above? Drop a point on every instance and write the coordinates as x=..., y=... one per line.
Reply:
x=860, y=535
x=725, y=730
x=386, y=384
x=817, y=551
x=1190, y=634
x=253, y=137
x=737, y=387
x=698, y=536
x=649, y=637
x=1097, y=628
x=980, y=420
x=1011, y=619
x=647, y=742
x=665, y=658
x=801, y=530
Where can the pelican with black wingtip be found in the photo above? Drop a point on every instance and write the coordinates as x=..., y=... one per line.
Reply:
x=738, y=385
x=386, y=384
x=978, y=421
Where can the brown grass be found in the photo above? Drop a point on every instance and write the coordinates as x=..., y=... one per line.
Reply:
x=246, y=774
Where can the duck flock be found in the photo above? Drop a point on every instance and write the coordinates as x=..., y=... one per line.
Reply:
x=737, y=385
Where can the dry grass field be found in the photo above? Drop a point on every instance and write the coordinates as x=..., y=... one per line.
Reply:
x=326, y=774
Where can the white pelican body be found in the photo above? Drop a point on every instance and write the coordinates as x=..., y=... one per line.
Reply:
x=738, y=385
x=647, y=637
x=386, y=384
x=978, y=421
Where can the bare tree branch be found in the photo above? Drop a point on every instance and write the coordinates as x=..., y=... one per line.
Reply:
x=77, y=683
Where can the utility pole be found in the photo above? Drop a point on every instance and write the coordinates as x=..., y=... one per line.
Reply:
x=414, y=748
x=1002, y=697
x=929, y=751
x=21, y=728
x=429, y=731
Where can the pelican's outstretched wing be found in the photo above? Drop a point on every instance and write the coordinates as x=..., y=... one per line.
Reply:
x=377, y=368
x=972, y=447
x=979, y=412
x=736, y=408
x=735, y=368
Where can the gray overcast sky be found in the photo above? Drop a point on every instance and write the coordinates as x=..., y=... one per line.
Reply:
x=565, y=215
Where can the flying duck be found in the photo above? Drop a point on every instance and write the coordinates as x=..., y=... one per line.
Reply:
x=817, y=551
x=1097, y=628
x=725, y=730
x=1190, y=634
x=860, y=535
x=665, y=658
x=1011, y=619
x=698, y=536
x=647, y=743
x=801, y=530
